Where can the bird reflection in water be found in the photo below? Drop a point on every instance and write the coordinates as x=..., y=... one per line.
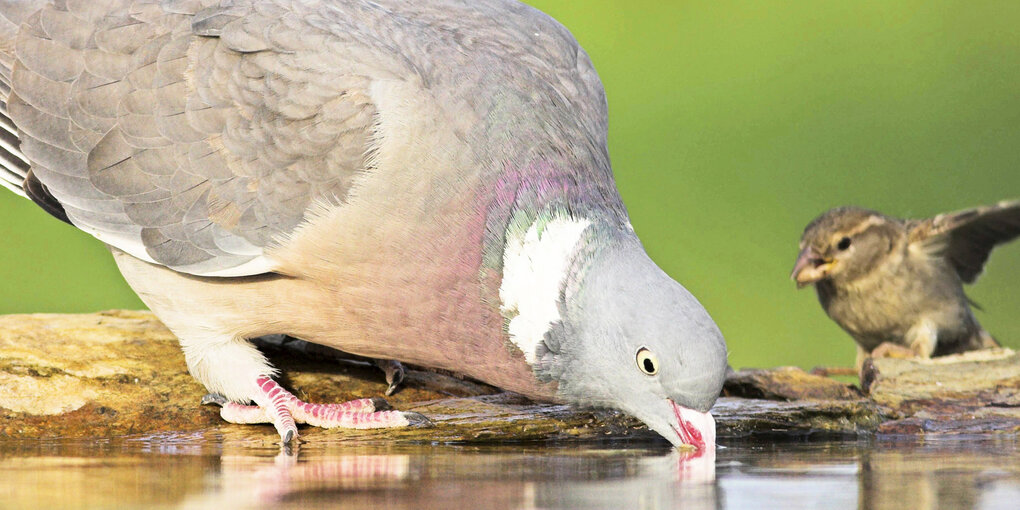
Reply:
x=466, y=477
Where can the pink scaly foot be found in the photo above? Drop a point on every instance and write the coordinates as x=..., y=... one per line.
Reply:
x=285, y=411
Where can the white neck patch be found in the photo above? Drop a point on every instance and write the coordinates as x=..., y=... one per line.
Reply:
x=534, y=268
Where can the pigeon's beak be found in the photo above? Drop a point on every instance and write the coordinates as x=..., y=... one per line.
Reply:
x=810, y=267
x=693, y=428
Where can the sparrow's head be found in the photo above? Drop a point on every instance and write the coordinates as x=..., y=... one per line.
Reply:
x=844, y=244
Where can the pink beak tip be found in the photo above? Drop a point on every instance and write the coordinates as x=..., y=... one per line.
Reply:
x=695, y=428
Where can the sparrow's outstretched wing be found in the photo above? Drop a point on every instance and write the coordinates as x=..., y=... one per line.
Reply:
x=966, y=238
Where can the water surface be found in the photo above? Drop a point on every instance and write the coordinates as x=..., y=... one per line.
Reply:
x=173, y=471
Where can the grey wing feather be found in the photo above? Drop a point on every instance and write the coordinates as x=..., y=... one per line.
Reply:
x=14, y=165
x=197, y=133
x=190, y=141
x=966, y=238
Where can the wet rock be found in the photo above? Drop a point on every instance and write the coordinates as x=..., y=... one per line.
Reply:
x=102, y=374
x=119, y=373
x=964, y=393
x=787, y=383
x=974, y=392
x=790, y=401
x=122, y=373
x=739, y=417
x=983, y=376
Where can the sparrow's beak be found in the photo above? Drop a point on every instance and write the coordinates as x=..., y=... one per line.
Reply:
x=810, y=267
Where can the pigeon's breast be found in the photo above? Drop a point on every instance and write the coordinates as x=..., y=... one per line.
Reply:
x=402, y=258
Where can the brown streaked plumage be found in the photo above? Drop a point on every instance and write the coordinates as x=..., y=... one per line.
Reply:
x=897, y=285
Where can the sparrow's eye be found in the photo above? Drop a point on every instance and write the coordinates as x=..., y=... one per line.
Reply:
x=844, y=244
x=647, y=361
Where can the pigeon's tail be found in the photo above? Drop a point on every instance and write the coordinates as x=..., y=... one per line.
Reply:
x=13, y=164
x=14, y=169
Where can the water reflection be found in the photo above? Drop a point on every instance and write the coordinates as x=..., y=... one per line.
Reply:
x=958, y=473
x=960, y=476
x=462, y=477
x=196, y=472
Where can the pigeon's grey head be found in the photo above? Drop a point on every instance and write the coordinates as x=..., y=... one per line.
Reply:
x=844, y=244
x=629, y=337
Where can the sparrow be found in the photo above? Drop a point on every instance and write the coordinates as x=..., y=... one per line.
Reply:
x=896, y=286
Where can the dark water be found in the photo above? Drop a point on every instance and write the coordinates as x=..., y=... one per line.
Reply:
x=202, y=472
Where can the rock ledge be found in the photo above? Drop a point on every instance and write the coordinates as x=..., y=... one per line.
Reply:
x=120, y=373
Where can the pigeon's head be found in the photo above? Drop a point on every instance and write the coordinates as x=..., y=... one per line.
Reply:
x=629, y=337
x=842, y=245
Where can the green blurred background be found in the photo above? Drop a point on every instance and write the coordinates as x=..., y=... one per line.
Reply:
x=733, y=124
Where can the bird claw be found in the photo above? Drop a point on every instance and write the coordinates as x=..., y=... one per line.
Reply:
x=214, y=398
x=418, y=420
x=285, y=411
x=380, y=404
x=394, y=374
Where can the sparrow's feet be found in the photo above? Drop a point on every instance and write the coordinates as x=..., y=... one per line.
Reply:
x=394, y=374
x=891, y=350
x=281, y=408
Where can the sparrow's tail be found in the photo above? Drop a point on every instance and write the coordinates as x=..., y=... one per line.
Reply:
x=987, y=340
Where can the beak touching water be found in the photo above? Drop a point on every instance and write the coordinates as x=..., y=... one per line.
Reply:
x=810, y=267
x=693, y=428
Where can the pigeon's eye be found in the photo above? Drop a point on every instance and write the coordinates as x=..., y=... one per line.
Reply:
x=647, y=361
x=844, y=244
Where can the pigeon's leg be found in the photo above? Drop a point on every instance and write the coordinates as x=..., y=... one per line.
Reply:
x=286, y=409
x=392, y=368
x=233, y=412
x=234, y=368
x=213, y=323
x=394, y=374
